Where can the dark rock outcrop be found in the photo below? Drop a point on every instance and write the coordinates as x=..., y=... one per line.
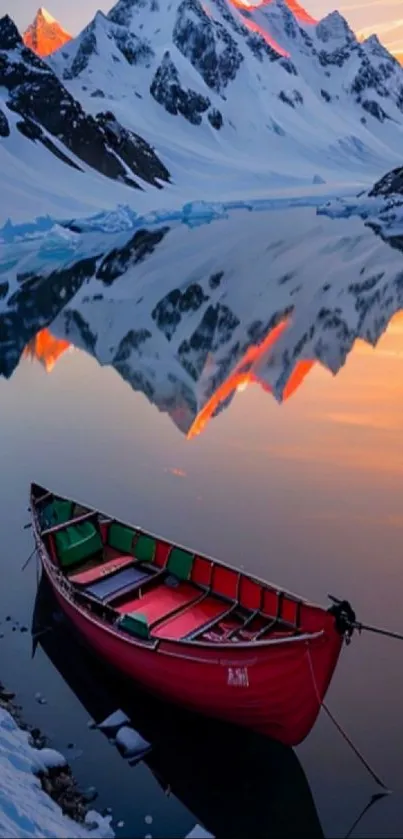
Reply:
x=167, y=91
x=4, y=126
x=390, y=184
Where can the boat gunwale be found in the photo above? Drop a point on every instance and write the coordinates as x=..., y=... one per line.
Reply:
x=56, y=575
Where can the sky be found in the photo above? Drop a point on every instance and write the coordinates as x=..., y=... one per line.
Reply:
x=382, y=16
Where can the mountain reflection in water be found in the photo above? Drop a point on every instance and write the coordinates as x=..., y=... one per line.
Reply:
x=191, y=316
x=47, y=349
x=236, y=783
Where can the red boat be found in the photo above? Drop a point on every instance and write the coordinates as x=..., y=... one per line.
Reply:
x=187, y=627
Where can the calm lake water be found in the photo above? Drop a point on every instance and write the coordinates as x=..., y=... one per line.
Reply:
x=307, y=494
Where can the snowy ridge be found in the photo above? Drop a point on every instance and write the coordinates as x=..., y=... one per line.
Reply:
x=179, y=95
x=217, y=80
x=25, y=810
x=188, y=335
x=51, y=150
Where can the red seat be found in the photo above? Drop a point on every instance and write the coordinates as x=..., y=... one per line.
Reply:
x=161, y=601
x=192, y=619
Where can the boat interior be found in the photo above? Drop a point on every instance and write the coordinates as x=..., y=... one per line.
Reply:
x=153, y=590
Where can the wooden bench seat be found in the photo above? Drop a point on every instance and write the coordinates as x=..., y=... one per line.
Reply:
x=160, y=602
x=100, y=570
x=195, y=617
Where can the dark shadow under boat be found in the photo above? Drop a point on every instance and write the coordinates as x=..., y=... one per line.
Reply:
x=235, y=782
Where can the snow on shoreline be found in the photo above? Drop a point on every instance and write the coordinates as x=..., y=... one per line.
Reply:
x=26, y=811
x=384, y=213
x=124, y=219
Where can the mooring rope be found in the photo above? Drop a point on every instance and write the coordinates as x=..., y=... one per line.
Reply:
x=32, y=554
x=349, y=623
x=373, y=800
x=345, y=736
x=378, y=630
x=356, y=751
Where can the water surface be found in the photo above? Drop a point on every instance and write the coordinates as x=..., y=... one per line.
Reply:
x=306, y=494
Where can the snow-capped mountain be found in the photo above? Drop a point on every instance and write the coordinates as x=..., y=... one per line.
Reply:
x=46, y=137
x=390, y=32
x=266, y=91
x=178, y=313
x=45, y=35
x=210, y=99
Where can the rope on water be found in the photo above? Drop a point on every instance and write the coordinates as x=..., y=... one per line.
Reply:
x=356, y=751
x=373, y=800
x=345, y=736
x=32, y=554
x=38, y=569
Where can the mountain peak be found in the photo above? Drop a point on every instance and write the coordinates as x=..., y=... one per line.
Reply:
x=45, y=35
x=9, y=35
x=44, y=14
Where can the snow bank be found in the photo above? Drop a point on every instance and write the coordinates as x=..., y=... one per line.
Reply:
x=124, y=219
x=25, y=809
x=131, y=743
x=383, y=213
x=199, y=832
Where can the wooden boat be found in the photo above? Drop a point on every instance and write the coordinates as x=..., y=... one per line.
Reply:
x=187, y=627
x=235, y=782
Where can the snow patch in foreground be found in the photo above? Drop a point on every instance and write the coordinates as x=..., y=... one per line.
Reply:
x=199, y=832
x=25, y=809
x=131, y=742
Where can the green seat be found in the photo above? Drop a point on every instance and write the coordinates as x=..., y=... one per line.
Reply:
x=135, y=624
x=144, y=549
x=121, y=538
x=180, y=563
x=57, y=512
x=77, y=543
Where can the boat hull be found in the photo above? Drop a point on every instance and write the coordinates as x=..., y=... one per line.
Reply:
x=273, y=681
x=276, y=689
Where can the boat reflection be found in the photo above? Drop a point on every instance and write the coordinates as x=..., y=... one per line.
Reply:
x=235, y=783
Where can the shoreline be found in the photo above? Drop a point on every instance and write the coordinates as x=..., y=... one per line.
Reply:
x=52, y=770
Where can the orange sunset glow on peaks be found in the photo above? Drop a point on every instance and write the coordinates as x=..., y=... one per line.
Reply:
x=45, y=35
x=243, y=375
x=297, y=10
x=46, y=349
